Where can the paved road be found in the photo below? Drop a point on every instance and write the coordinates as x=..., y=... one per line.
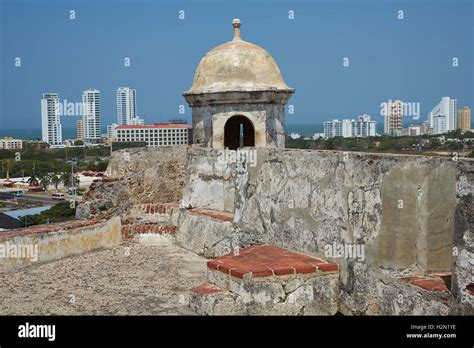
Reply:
x=39, y=198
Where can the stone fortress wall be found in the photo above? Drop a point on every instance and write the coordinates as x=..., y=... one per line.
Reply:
x=402, y=209
x=394, y=232
x=412, y=215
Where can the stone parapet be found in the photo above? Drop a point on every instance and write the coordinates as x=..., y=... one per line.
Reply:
x=43, y=243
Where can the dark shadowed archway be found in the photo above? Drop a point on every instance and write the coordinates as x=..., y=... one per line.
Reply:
x=238, y=132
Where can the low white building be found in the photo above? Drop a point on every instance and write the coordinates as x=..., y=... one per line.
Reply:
x=8, y=143
x=157, y=134
x=112, y=131
x=137, y=121
x=346, y=128
x=414, y=130
x=337, y=128
x=365, y=127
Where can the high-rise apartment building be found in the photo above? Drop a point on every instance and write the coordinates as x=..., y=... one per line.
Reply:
x=464, y=118
x=91, y=116
x=80, y=129
x=126, y=105
x=443, y=118
x=393, y=117
x=50, y=119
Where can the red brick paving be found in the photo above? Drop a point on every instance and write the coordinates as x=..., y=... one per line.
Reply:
x=207, y=289
x=431, y=283
x=46, y=228
x=263, y=260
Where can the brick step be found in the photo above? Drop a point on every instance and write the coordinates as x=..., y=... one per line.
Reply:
x=131, y=229
x=146, y=209
x=152, y=213
x=265, y=260
x=215, y=214
x=167, y=208
x=416, y=294
x=435, y=282
x=156, y=208
x=267, y=279
x=156, y=234
x=145, y=219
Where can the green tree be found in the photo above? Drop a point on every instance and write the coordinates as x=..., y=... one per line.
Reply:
x=66, y=179
x=33, y=180
x=55, y=179
x=44, y=181
x=435, y=143
x=330, y=144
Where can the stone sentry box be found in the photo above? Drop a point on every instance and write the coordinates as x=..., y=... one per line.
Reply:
x=238, y=92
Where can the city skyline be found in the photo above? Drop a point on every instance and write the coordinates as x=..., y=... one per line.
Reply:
x=393, y=121
x=163, y=60
x=405, y=128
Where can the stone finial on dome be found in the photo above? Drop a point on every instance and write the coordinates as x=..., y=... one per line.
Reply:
x=236, y=25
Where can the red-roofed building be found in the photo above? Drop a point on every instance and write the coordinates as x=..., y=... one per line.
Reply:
x=157, y=134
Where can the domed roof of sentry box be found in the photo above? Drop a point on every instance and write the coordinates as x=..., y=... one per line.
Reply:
x=237, y=65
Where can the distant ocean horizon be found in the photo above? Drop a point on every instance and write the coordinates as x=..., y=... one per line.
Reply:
x=305, y=130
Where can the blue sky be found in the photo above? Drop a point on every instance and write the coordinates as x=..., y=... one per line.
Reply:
x=389, y=58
